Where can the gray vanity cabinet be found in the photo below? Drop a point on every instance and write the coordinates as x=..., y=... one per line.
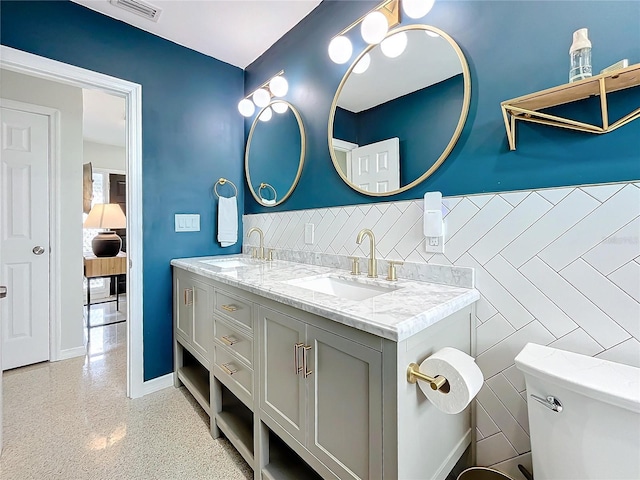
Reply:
x=283, y=388
x=193, y=304
x=344, y=411
x=192, y=327
x=182, y=305
x=325, y=391
x=301, y=396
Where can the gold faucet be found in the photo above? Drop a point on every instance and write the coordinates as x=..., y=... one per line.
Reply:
x=373, y=268
x=261, y=234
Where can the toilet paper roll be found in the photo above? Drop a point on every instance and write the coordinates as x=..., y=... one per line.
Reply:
x=464, y=377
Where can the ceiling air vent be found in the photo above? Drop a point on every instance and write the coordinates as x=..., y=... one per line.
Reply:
x=143, y=9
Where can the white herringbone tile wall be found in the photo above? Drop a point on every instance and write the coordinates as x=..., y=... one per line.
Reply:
x=558, y=267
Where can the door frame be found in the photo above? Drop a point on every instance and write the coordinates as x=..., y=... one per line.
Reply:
x=344, y=146
x=42, y=67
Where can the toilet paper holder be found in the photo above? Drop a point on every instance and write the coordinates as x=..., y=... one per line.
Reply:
x=437, y=383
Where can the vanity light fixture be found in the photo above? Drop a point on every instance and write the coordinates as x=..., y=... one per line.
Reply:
x=277, y=86
x=417, y=8
x=340, y=49
x=375, y=25
x=246, y=107
x=261, y=97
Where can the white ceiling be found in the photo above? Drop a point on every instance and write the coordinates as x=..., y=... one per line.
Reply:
x=425, y=61
x=234, y=31
x=103, y=118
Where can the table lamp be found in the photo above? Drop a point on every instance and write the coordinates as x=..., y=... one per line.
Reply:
x=106, y=215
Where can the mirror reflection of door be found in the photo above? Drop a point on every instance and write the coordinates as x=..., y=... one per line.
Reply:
x=376, y=167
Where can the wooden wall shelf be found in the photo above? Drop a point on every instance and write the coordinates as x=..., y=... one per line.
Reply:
x=528, y=107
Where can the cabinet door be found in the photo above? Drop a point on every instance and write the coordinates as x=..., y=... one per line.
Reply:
x=282, y=389
x=183, y=305
x=345, y=405
x=202, y=318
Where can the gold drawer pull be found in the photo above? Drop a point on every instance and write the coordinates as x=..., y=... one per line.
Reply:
x=229, y=308
x=296, y=363
x=188, y=296
x=305, y=371
x=229, y=368
x=229, y=340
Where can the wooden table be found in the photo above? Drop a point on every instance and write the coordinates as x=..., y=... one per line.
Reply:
x=103, y=267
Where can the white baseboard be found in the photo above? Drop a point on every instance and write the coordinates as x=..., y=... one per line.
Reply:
x=71, y=353
x=157, y=384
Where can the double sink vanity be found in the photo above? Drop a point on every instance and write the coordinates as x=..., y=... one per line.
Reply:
x=303, y=367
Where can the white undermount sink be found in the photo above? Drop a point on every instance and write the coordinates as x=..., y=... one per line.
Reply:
x=226, y=263
x=342, y=287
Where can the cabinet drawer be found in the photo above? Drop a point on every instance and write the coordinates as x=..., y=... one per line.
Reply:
x=237, y=376
x=236, y=341
x=233, y=307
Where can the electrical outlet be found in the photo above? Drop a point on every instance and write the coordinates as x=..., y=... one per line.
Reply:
x=309, y=230
x=434, y=244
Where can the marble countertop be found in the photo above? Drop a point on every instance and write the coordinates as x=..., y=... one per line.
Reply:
x=406, y=309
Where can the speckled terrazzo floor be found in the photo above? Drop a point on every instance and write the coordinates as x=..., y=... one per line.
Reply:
x=72, y=420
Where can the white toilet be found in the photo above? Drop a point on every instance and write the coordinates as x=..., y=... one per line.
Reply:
x=584, y=415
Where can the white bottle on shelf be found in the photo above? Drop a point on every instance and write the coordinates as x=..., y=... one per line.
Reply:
x=580, y=55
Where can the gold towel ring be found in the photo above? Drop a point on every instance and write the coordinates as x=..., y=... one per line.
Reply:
x=266, y=185
x=222, y=181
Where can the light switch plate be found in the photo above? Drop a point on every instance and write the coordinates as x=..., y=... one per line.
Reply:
x=187, y=222
x=309, y=230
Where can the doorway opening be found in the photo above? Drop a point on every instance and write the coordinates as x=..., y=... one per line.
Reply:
x=40, y=67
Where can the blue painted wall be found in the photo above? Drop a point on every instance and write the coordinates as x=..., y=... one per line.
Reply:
x=423, y=120
x=192, y=135
x=513, y=48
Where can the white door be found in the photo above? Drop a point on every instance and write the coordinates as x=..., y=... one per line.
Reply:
x=376, y=167
x=24, y=237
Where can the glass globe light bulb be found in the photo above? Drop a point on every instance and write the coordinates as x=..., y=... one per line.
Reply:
x=340, y=50
x=261, y=97
x=374, y=27
x=279, y=107
x=363, y=64
x=266, y=114
x=246, y=107
x=394, y=45
x=417, y=8
x=279, y=86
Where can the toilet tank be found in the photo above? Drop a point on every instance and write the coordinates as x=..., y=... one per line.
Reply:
x=596, y=435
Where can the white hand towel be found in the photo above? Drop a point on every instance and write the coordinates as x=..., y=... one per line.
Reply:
x=227, y=221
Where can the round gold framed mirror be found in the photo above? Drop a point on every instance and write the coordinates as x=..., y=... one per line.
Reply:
x=399, y=110
x=275, y=153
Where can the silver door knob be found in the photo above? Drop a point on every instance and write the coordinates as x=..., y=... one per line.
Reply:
x=3, y=291
x=38, y=250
